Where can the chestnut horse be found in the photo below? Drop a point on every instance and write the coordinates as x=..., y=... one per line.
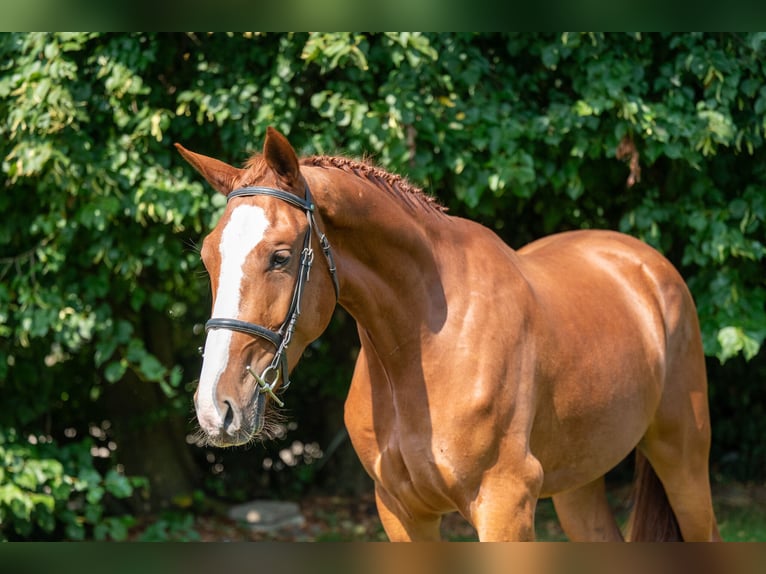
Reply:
x=487, y=377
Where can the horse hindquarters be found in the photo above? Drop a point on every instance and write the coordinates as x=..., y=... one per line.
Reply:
x=676, y=487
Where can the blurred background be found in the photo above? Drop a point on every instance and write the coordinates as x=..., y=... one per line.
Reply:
x=103, y=296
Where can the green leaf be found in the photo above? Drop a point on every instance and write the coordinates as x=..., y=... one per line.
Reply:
x=115, y=370
x=75, y=531
x=151, y=367
x=734, y=340
x=113, y=528
x=117, y=484
x=94, y=512
x=94, y=495
x=89, y=478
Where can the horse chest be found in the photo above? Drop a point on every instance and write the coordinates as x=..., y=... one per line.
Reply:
x=424, y=456
x=415, y=462
x=415, y=475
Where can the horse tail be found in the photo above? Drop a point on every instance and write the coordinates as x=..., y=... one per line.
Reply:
x=652, y=518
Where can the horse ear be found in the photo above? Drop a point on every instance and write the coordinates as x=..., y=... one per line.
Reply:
x=220, y=175
x=281, y=157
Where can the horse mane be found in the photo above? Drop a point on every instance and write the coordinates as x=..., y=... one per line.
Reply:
x=392, y=183
x=396, y=185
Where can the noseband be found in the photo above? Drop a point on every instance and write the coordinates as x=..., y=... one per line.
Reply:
x=281, y=338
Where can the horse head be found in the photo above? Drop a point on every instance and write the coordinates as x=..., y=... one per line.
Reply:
x=267, y=306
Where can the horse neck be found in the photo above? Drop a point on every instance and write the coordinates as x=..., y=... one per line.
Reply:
x=383, y=244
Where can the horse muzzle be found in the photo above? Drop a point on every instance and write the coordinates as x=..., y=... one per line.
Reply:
x=228, y=422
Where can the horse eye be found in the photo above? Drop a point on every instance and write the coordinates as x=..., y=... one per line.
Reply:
x=280, y=258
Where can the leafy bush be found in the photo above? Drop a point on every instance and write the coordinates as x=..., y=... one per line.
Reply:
x=171, y=526
x=55, y=491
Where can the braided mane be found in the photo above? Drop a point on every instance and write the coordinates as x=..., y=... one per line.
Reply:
x=395, y=184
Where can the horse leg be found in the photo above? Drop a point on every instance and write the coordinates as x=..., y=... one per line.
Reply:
x=683, y=471
x=401, y=525
x=504, y=508
x=585, y=515
x=677, y=445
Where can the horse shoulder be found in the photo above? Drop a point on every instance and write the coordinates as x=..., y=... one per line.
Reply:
x=358, y=416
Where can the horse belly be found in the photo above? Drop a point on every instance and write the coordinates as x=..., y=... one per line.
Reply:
x=586, y=433
x=593, y=412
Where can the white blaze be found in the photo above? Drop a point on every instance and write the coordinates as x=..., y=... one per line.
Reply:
x=243, y=232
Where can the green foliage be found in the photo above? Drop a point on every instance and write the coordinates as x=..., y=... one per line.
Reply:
x=90, y=245
x=49, y=490
x=658, y=135
x=171, y=526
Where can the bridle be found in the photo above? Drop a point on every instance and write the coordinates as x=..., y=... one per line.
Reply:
x=281, y=338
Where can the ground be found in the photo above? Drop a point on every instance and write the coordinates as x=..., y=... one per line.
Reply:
x=741, y=511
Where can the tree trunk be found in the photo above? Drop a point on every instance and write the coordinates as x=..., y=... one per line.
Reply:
x=150, y=433
x=341, y=472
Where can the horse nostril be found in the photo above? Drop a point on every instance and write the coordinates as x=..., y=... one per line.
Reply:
x=231, y=420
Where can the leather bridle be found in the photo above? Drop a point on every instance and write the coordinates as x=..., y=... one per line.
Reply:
x=281, y=338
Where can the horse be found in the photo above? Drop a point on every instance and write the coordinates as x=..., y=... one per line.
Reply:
x=488, y=378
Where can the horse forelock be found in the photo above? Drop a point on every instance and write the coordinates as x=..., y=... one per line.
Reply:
x=255, y=170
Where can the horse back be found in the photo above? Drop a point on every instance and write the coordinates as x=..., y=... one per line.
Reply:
x=586, y=264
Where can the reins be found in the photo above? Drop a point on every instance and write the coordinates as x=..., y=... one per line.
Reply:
x=268, y=379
